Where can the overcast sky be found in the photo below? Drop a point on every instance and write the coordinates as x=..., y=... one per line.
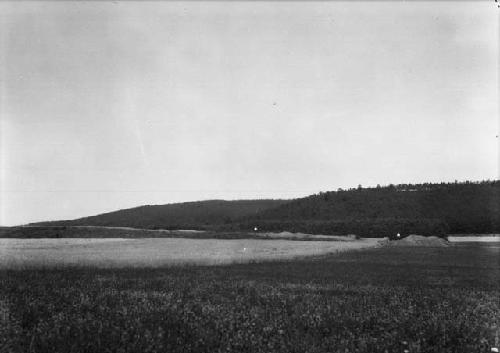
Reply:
x=108, y=105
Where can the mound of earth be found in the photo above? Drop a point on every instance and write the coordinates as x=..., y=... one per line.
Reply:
x=420, y=240
x=287, y=234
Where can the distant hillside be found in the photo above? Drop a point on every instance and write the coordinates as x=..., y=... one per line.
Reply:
x=468, y=207
x=428, y=209
x=187, y=215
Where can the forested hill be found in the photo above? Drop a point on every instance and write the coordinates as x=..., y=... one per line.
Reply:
x=186, y=215
x=466, y=207
x=429, y=209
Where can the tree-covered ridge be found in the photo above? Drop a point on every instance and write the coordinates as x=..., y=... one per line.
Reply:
x=459, y=207
x=186, y=215
x=428, y=208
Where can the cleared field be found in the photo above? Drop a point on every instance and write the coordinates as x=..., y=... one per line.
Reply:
x=385, y=299
x=115, y=252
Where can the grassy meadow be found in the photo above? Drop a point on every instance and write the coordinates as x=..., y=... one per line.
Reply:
x=388, y=299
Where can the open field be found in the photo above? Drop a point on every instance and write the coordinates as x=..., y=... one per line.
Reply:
x=115, y=252
x=387, y=299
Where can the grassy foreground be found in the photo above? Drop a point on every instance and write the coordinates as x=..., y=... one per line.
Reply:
x=377, y=300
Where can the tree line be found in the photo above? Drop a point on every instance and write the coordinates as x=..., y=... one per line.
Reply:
x=426, y=208
x=439, y=208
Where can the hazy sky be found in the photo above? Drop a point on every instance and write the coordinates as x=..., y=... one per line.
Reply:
x=108, y=105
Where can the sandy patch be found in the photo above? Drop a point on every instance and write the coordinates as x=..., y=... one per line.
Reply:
x=304, y=236
x=419, y=240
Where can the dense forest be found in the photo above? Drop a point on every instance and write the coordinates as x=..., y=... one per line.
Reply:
x=428, y=209
x=468, y=207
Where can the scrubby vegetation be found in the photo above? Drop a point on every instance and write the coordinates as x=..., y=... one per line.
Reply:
x=379, y=300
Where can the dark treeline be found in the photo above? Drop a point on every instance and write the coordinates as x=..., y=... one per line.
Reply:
x=465, y=207
x=428, y=209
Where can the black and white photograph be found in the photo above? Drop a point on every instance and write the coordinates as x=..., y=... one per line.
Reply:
x=264, y=176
